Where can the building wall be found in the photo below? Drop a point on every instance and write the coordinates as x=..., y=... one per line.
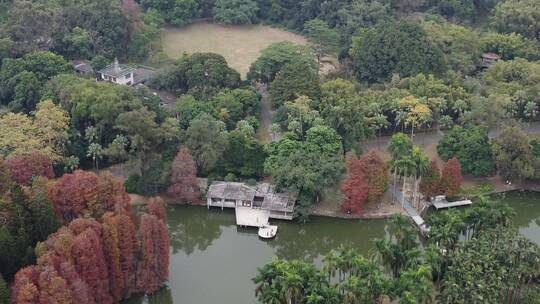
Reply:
x=122, y=80
x=220, y=204
x=280, y=215
x=246, y=216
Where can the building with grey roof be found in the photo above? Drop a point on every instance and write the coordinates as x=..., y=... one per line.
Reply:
x=255, y=205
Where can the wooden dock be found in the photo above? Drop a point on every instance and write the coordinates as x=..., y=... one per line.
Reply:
x=444, y=205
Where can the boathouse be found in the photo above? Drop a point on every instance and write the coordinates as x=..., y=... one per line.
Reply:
x=254, y=205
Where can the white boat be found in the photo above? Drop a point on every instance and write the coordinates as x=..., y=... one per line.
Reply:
x=268, y=231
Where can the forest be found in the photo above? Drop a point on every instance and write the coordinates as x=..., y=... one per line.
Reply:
x=467, y=69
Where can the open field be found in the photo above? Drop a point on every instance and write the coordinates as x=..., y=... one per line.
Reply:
x=240, y=45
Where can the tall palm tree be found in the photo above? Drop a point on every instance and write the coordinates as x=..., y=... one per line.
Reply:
x=406, y=167
x=292, y=287
x=422, y=167
x=331, y=261
x=400, y=146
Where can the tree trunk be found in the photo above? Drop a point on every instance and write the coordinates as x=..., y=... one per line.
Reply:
x=403, y=192
x=395, y=188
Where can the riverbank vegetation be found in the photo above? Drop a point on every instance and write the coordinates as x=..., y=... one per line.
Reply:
x=466, y=249
x=402, y=67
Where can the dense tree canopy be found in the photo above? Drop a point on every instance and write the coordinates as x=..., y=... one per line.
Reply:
x=519, y=17
x=199, y=74
x=394, y=48
x=307, y=167
x=275, y=57
x=513, y=155
x=471, y=147
x=293, y=80
x=235, y=11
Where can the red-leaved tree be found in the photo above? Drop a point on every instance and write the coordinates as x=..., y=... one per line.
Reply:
x=152, y=269
x=156, y=206
x=375, y=173
x=87, y=254
x=184, y=184
x=53, y=288
x=85, y=193
x=24, y=167
x=25, y=290
x=430, y=185
x=127, y=246
x=355, y=188
x=79, y=288
x=451, y=178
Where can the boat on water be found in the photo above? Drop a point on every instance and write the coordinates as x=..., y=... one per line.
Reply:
x=268, y=231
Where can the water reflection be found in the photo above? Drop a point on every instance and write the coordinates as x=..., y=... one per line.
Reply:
x=191, y=229
x=316, y=238
x=213, y=261
x=527, y=207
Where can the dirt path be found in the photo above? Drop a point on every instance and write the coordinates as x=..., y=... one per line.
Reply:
x=265, y=133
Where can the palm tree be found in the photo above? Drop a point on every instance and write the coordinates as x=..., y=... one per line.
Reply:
x=422, y=167
x=292, y=287
x=400, y=146
x=96, y=152
x=331, y=261
x=406, y=167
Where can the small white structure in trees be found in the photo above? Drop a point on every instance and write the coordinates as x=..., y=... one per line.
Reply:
x=117, y=73
x=254, y=206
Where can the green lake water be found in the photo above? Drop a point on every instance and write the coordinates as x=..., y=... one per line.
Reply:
x=213, y=261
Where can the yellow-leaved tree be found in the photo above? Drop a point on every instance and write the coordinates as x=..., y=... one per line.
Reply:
x=46, y=131
x=416, y=113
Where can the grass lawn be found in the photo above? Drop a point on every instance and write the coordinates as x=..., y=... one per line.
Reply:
x=240, y=45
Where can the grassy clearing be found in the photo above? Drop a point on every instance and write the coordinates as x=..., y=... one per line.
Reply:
x=240, y=45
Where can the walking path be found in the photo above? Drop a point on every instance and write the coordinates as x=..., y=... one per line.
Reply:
x=409, y=209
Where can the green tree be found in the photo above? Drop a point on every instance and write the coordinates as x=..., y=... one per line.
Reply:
x=26, y=93
x=77, y=43
x=206, y=139
x=460, y=44
x=4, y=291
x=513, y=155
x=117, y=149
x=95, y=151
x=471, y=147
x=519, y=17
x=400, y=251
x=307, y=167
x=32, y=25
x=293, y=80
x=147, y=137
x=183, y=12
x=507, y=260
x=244, y=155
x=235, y=11
x=343, y=110
x=394, y=48
x=199, y=74
x=275, y=57
x=323, y=39
x=43, y=217
x=511, y=46
x=144, y=42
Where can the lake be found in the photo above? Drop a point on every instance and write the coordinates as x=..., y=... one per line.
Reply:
x=213, y=261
